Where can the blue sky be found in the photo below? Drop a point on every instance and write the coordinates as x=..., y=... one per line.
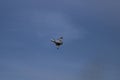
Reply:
x=90, y=29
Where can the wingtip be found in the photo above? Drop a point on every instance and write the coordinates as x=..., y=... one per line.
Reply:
x=61, y=37
x=52, y=40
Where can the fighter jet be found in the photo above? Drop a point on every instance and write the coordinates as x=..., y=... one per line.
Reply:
x=57, y=42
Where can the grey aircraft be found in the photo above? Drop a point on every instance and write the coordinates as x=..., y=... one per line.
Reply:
x=58, y=42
